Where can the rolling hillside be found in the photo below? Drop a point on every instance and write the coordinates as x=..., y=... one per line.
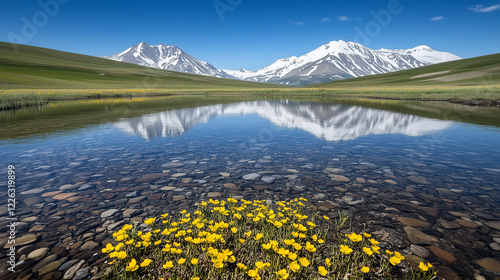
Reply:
x=40, y=68
x=477, y=71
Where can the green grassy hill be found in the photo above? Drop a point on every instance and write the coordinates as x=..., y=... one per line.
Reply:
x=40, y=68
x=477, y=71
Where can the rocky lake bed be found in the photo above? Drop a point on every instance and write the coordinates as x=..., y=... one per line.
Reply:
x=426, y=196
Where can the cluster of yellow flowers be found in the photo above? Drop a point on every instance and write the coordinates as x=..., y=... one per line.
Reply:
x=244, y=239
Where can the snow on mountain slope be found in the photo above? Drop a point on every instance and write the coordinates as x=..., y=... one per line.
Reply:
x=426, y=54
x=167, y=58
x=339, y=60
x=332, y=61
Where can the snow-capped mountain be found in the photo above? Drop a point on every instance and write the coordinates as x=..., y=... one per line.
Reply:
x=167, y=58
x=340, y=60
x=426, y=54
x=335, y=60
x=328, y=122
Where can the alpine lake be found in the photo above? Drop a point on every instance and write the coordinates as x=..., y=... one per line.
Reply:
x=422, y=177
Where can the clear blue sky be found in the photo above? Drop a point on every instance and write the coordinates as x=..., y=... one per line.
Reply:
x=252, y=33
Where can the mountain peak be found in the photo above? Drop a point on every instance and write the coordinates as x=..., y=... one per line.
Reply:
x=167, y=57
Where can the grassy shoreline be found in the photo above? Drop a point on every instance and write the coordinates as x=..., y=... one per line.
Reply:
x=469, y=95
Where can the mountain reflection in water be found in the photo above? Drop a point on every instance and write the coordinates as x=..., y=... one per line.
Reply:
x=324, y=121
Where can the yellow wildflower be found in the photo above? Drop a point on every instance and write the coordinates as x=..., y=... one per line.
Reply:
x=424, y=267
x=304, y=262
x=258, y=236
x=109, y=248
x=150, y=221
x=310, y=247
x=394, y=260
x=328, y=262
x=374, y=242
x=365, y=269
x=322, y=271
x=355, y=237
x=121, y=255
x=168, y=264
x=132, y=265
x=368, y=251
x=253, y=273
x=146, y=262
x=181, y=260
x=345, y=249
x=295, y=266
x=282, y=274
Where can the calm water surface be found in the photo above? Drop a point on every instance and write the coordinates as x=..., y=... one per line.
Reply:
x=413, y=160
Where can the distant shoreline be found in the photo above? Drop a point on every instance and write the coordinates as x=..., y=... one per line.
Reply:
x=474, y=96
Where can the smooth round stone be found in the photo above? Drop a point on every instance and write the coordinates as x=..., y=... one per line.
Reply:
x=49, y=267
x=494, y=224
x=350, y=200
x=319, y=196
x=136, y=199
x=225, y=174
x=419, y=180
x=268, y=179
x=442, y=254
x=67, y=264
x=179, y=175
x=178, y=197
x=413, y=222
x=70, y=273
x=214, y=194
x=419, y=251
x=62, y=196
x=489, y=264
x=38, y=253
x=447, y=224
x=167, y=188
x=330, y=170
x=392, y=182
x=89, y=245
x=468, y=224
x=26, y=239
x=33, y=191
x=67, y=187
x=360, y=180
x=339, y=178
x=109, y=213
x=495, y=246
x=251, y=176
x=82, y=273
x=30, y=219
x=417, y=237
x=172, y=165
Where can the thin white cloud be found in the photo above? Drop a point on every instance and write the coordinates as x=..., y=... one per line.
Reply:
x=483, y=9
x=344, y=18
x=325, y=20
x=296, y=23
x=437, y=18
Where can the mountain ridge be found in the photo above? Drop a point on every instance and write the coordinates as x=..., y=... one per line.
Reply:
x=335, y=60
x=167, y=57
